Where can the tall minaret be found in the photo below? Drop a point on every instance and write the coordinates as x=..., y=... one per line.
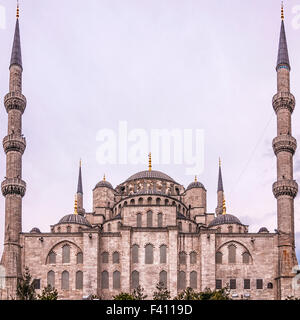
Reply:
x=285, y=188
x=13, y=187
x=79, y=194
x=220, y=192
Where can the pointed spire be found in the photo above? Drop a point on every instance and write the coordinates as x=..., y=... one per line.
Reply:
x=150, y=162
x=16, y=56
x=283, y=54
x=79, y=185
x=220, y=180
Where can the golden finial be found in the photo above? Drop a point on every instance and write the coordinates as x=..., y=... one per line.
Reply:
x=80, y=163
x=219, y=162
x=18, y=10
x=196, y=179
x=150, y=162
x=75, y=206
x=282, y=12
x=224, y=206
x=104, y=179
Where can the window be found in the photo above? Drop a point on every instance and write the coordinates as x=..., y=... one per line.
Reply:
x=139, y=220
x=182, y=257
x=66, y=253
x=79, y=280
x=79, y=258
x=51, y=278
x=167, y=202
x=230, y=229
x=159, y=220
x=104, y=280
x=193, y=257
x=232, y=283
x=181, y=280
x=163, y=278
x=180, y=226
x=116, y=280
x=132, y=202
x=52, y=257
x=231, y=253
x=135, y=279
x=270, y=285
x=219, y=257
x=246, y=283
x=190, y=227
x=149, y=219
x=259, y=284
x=218, y=284
x=109, y=227
x=193, y=280
x=163, y=253
x=158, y=201
x=140, y=200
x=149, y=254
x=135, y=253
x=149, y=200
x=119, y=225
x=65, y=280
x=105, y=257
x=246, y=257
x=68, y=229
x=116, y=257
x=36, y=283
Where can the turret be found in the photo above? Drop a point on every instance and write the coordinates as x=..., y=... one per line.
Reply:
x=220, y=192
x=79, y=194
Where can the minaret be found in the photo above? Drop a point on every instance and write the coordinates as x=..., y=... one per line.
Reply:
x=13, y=187
x=79, y=194
x=285, y=188
x=220, y=192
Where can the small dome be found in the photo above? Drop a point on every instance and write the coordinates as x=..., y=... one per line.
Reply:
x=263, y=229
x=104, y=184
x=76, y=219
x=225, y=219
x=35, y=230
x=195, y=184
x=153, y=174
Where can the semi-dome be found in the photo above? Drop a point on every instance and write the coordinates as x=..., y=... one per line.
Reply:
x=263, y=229
x=153, y=174
x=104, y=184
x=76, y=219
x=195, y=184
x=35, y=230
x=225, y=219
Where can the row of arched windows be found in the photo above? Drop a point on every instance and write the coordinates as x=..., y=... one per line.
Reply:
x=149, y=257
x=115, y=257
x=65, y=280
x=65, y=256
x=183, y=257
x=149, y=220
x=246, y=258
x=182, y=283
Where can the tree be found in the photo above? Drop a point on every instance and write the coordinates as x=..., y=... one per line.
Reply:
x=162, y=293
x=124, y=296
x=187, y=294
x=25, y=287
x=207, y=294
x=49, y=293
x=138, y=293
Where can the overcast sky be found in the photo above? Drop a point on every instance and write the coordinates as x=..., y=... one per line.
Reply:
x=159, y=64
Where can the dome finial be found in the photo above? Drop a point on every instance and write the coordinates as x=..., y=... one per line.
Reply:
x=282, y=11
x=80, y=163
x=196, y=179
x=150, y=162
x=219, y=162
x=75, y=205
x=18, y=10
x=224, y=206
x=104, y=178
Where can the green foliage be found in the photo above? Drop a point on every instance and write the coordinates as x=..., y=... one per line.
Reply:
x=207, y=294
x=25, y=287
x=292, y=298
x=162, y=293
x=138, y=293
x=124, y=296
x=49, y=293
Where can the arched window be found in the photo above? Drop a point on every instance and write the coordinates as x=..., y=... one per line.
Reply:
x=139, y=220
x=163, y=278
x=105, y=257
x=231, y=253
x=181, y=280
x=163, y=253
x=68, y=229
x=119, y=225
x=190, y=227
x=66, y=253
x=140, y=200
x=149, y=219
x=65, y=280
x=230, y=229
x=149, y=200
x=149, y=254
x=246, y=257
x=182, y=257
x=109, y=227
x=135, y=279
x=116, y=280
x=219, y=257
x=167, y=202
x=270, y=285
x=193, y=280
x=193, y=257
x=116, y=257
x=158, y=201
x=177, y=191
x=79, y=280
x=79, y=258
x=159, y=220
x=135, y=253
x=125, y=204
x=58, y=229
x=132, y=202
x=51, y=278
x=180, y=226
x=104, y=280
x=52, y=258
x=173, y=203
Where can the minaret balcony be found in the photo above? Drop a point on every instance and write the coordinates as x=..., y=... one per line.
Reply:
x=15, y=101
x=284, y=100
x=13, y=186
x=14, y=142
x=285, y=187
x=285, y=143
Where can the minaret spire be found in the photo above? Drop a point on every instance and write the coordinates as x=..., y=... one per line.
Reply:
x=16, y=55
x=79, y=194
x=220, y=191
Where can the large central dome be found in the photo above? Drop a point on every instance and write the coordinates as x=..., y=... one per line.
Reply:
x=150, y=175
